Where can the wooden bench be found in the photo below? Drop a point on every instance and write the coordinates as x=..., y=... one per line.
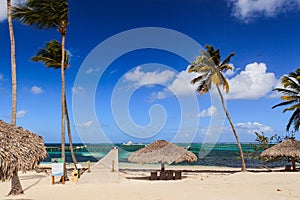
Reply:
x=153, y=176
x=177, y=175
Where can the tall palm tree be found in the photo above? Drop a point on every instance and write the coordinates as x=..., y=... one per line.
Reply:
x=291, y=98
x=16, y=187
x=210, y=68
x=51, y=57
x=48, y=14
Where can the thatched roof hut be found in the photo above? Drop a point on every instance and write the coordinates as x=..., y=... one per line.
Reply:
x=163, y=152
x=287, y=148
x=20, y=150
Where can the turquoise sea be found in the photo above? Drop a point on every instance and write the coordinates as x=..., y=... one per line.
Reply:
x=221, y=154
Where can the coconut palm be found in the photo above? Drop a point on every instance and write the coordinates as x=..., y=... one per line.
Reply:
x=48, y=14
x=51, y=57
x=291, y=98
x=16, y=187
x=210, y=68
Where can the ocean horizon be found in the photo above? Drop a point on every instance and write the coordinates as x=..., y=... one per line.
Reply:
x=219, y=154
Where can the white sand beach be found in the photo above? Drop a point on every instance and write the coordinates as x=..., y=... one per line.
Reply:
x=194, y=185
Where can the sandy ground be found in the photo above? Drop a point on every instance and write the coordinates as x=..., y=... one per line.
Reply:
x=194, y=185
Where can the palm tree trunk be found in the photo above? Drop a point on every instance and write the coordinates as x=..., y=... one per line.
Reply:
x=16, y=187
x=63, y=155
x=13, y=64
x=233, y=130
x=69, y=134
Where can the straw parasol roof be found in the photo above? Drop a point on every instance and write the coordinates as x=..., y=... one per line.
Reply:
x=287, y=148
x=162, y=151
x=20, y=150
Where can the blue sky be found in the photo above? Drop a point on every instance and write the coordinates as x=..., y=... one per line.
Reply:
x=263, y=34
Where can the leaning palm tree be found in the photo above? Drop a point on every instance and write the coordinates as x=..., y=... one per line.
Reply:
x=210, y=68
x=16, y=187
x=51, y=57
x=48, y=14
x=291, y=98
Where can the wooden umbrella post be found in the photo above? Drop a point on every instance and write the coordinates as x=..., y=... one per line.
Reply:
x=294, y=163
x=162, y=167
x=89, y=166
x=113, y=166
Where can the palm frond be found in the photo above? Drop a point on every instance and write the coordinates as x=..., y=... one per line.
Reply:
x=289, y=98
x=289, y=82
x=295, y=119
x=225, y=84
x=203, y=88
x=210, y=70
x=224, y=68
x=284, y=103
x=51, y=55
x=197, y=79
x=296, y=106
x=286, y=91
x=227, y=60
x=42, y=13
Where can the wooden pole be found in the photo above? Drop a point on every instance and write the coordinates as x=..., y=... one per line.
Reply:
x=113, y=165
x=162, y=167
x=89, y=166
x=294, y=163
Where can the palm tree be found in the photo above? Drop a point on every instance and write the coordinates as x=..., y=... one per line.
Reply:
x=48, y=14
x=16, y=187
x=210, y=68
x=51, y=57
x=291, y=97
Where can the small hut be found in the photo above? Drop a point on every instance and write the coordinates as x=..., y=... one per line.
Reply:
x=20, y=150
x=287, y=148
x=162, y=152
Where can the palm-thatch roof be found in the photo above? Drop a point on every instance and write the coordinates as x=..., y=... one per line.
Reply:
x=162, y=151
x=287, y=148
x=20, y=150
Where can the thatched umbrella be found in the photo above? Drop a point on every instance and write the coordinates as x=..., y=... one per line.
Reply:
x=20, y=150
x=162, y=152
x=287, y=148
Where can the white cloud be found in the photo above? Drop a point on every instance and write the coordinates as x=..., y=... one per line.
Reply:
x=247, y=10
x=140, y=78
x=179, y=86
x=3, y=8
x=85, y=124
x=251, y=127
x=91, y=70
x=159, y=95
x=3, y=12
x=36, y=90
x=78, y=90
x=252, y=83
x=21, y=113
x=209, y=112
